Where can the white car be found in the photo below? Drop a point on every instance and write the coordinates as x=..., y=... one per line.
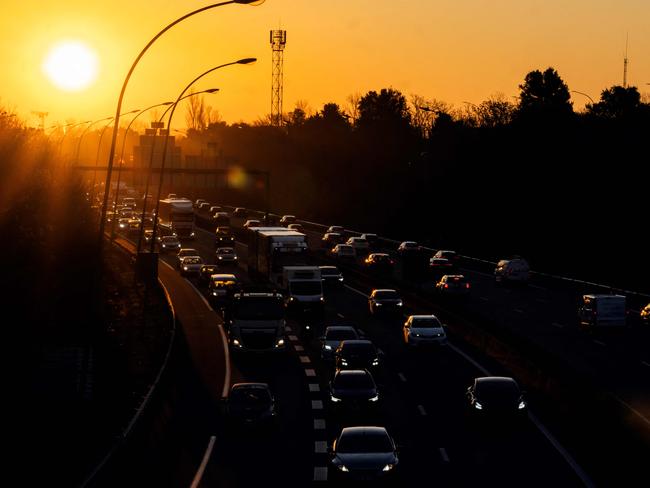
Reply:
x=186, y=252
x=287, y=219
x=333, y=336
x=359, y=244
x=336, y=229
x=191, y=265
x=225, y=255
x=296, y=227
x=343, y=251
x=514, y=270
x=420, y=330
x=252, y=223
x=408, y=246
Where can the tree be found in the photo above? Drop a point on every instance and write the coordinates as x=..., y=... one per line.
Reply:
x=496, y=111
x=544, y=95
x=197, y=116
x=386, y=110
x=617, y=102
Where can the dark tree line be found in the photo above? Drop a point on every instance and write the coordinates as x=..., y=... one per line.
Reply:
x=536, y=178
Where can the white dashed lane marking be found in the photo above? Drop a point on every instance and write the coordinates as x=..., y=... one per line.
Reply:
x=518, y=310
x=299, y=348
x=645, y=363
x=320, y=473
x=314, y=388
x=422, y=411
x=320, y=447
x=600, y=343
x=558, y=325
x=340, y=315
x=402, y=377
x=317, y=405
x=443, y=453
x=310, y=372
x=288, y=329
x=319, y=424
x=293, y=338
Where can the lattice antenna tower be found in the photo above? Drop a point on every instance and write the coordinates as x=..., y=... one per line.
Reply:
x=625, y=64
x=278, y=41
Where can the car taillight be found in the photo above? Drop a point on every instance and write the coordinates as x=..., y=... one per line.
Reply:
x=446, y=285
x=467, y=285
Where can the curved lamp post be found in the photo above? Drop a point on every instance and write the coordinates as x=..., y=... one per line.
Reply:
x=169, y=124
x=126, y=82
x=84, y=133
x=65, y=132
x=584, y=94
x=151, y=155
x=119, y=170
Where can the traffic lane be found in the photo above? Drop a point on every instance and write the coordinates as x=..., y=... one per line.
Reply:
x=437, y=383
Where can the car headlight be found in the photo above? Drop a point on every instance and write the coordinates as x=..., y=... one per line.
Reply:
x=280, y=343
x=374, y=399
x=328, y=348
x=185, y=268
x=522, y=405
x=343, y=468
x=388, y=467
x=235, y=258
x=335, y=399
x=235, y=342
x=344, y=362
x=341, y=278
x=214, y=293
x=378, y=304
x=375, y=362
x=478, y=406
x=192, y=234
x=399, y=304
x=322, y=299
x=219, y=258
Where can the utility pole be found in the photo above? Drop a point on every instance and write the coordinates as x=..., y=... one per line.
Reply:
x=625, y=64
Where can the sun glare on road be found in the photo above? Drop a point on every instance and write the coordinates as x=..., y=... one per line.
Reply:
x=71, y=65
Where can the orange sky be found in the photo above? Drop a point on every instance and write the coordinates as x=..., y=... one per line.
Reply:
x=452, y=50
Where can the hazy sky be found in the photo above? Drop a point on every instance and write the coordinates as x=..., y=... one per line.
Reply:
x=452, y=50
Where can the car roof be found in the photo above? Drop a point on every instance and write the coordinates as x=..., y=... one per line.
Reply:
x=329, y=267
x=223, y=276
x=430, y=316
x=364, y=430
x=340, y=327
x=380, y=254
x=357, y=342
x=495, y=380
x=384, y=289
x=238, y=386
x=353, y=372
x=188, y=249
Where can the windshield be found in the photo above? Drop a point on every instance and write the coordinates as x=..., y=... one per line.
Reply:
x=250, y=397
x=329, y=272
x=427, y=323
x=386, y=295
x=354, y=381
x=305, y=288
x=169, y=240
x=340, y=335
x=193, y=260
x=225, y=250
x=258, y=308
x=364, y=442
x=497, y=391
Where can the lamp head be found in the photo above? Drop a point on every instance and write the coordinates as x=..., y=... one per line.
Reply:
x=247, y=61
x=249, y=2
x=211, y=90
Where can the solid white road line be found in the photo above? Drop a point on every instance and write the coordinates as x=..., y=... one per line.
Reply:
x=558, y=447
x=204, y=463
x=443, y=453
x=358, y=292
x=422, y=411
x=320, y=473
x=563, y=452
x=633, y=410
x=226, y=350
x=314, y=387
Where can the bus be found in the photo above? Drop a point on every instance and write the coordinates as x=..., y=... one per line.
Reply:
x=176, y=217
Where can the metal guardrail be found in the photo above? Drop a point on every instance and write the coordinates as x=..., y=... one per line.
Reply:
x=124, y=436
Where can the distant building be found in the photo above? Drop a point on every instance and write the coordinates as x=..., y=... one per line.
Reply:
x=142, y=158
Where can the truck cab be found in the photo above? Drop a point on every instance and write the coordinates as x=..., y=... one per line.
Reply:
x=256, y=322
x=602, y=311
x=303, y=287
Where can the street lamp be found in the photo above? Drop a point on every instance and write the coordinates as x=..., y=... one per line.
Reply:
x=584, y=94
x=169, y=124
x=119, y=170
x=151, y=155
x=126, y=82
x=84, y=133
x=65, y=132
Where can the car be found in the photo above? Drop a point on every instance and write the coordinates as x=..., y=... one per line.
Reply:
x=185, y=252
x=223, y=286
x=206, y=271
x=330, y=275
x=225, y=255
x=384, y=300
x=252, y=223
x=422, y=330
x=364, y=452
x=287, y=219
x=453, y=285
x=169, y=244
x=645, y=314
x=296, y=227
x=343, y=252
x=221, y=219
x=356, y=354
x=353, y=389
x=214, y=209
x=451, y=256
x=191, y=265
x=408, y=247
x=172, y=195
x=515, y=270
x=123, y=223
x=378, y=261
x=439, y=265
x=496, y=396
x=373, y=240
x=148, y=235
x=335, y=229
x=331, y=239
x=133, y=226
x=240, y=213
x=223, y=236
x=198, y=202
x=359, y=244
x=332, y=338
x=203, y=207
x=250, y=405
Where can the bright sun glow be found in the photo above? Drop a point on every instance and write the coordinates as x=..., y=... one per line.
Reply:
x=71, y=65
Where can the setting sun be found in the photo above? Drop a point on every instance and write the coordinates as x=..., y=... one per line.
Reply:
x=71, y=66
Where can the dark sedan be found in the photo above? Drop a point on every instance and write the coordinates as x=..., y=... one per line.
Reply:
x=250, y=404
x=353, y=389
x=364, y=453
x=356, y=354
x=331, y=276
x=496, y=396
x=206, y=271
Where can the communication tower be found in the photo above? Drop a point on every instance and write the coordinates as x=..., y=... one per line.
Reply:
x=278, y=41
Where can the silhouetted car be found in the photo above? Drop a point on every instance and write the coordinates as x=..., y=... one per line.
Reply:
x=496, y=396
x=191, y=265
x=439, y=265
x=343, y=252
x=378, y=261
x=148, y=235
x=331, y=239
x=172, y=195
x=331, y=276
x=332, y=338
x=356, y=354
x=451, y=256
x=296, y=227
x=223, y=286
x=198, y=202
x=645, y=314
x=169, y=244
x=408, y=247
x=453, y=285
x=206, y=271
x=515, y=270
x=221, y=219
x=214, y=209
x=123, y=223
x=364, y=453
x=225, y=255
x=373, y=240
x=353, y=389
x=223, y=237
x=252, y=223
x=287, y=219
x=384, y=300
x=250, y=404
x=240, y=213
x=185, y=252
x=422, y=330
x=204, y=207
x=359, y=244
x=336, y=229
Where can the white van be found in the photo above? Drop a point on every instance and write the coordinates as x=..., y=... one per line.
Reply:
x=512, y=270
x=602, y=311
